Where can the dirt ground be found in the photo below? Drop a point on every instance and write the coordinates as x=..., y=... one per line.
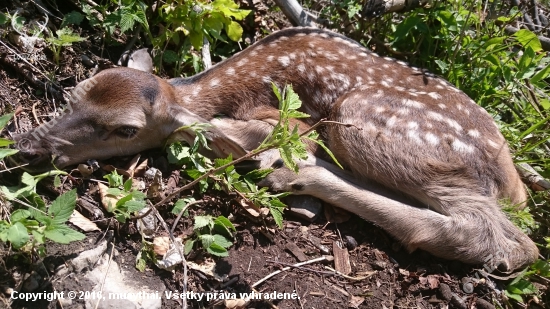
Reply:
x=383, y=274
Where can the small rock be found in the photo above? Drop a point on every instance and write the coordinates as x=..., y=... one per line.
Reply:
x=351, y=243
x=467, y=285
x=87, y=61
x=457, y=302
x=445, y=292
x=379, y=265
x=483, y=304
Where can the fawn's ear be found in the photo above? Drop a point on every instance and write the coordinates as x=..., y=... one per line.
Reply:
x=188, y=124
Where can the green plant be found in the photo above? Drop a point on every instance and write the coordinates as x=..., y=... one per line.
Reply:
x=209, y=232
x=122, y=199
x=4, y=143
x=118, y=14
x=29, y=227
x=522, y=286
x=65, y=37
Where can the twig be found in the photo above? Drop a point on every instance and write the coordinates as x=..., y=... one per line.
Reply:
x=348, y=277
x=303, y=268
x=181, y=213
x=106, y=273
x=319, y=259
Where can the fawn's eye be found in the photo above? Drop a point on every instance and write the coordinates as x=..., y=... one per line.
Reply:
x=126, y=131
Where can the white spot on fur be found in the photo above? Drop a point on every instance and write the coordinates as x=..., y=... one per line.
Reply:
x=402, y=63
x=385, y=84
x=242, y=62
x=379, y=109
x=435, y=95
x=270, y=58
x=431, y=138
x=389, y=59
x=324, y=35
x=391, y=122
x=230, y=71
x=284, y=60
x=301, y=67
x=266, y=79
x=412, y=125
x=292, y=56
x=474, y=133
x=461, y=147
x=435, y=116
x=413, y=103
x=399, y=88
x=413, y=135
x=442, y=106
x=453, y=124
x=378, y=94
x=403, y=111
x=214, y=82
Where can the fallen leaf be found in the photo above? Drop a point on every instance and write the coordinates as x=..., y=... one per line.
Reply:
x=355, y=301
x=82, y=222
x=108, y=200
x=433, y=281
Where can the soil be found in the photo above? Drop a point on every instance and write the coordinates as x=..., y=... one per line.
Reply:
x=383, y=274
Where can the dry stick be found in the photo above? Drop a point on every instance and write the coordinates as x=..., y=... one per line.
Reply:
x=319, y=259
x=334, y=271
x=106, y=273
x=181, y=213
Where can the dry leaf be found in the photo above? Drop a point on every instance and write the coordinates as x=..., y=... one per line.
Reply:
x=107, y=199
x=355, y=301
x=82, y=222
x=235, y=303
x=131, y=167
x=161, y=245
x=433, y=281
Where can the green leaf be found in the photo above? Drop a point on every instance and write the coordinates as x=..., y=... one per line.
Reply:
x=57, y=181
x=18, y=235
x=170, y=57
x=63, y=206
x=134, y=206
x=222, y=241
x=4, y=120
x=234, y=31
x=528, y=39
x=180, y=205
x=128, y=185
x=7, y=152
x=19, y=215
x=540, y=75
x=206, y=240
x=38, y=236
x=224, y=222
x=277, y=216
x=72, y=18
x=513, y=296
x=203, y=221
x=3, y=19
x=115, y=191
x=5, y=142
x=217, y=250
x=62, y=234
x=114, y=179
x=188, y=246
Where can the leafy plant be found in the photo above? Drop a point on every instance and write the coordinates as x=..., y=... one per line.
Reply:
x=521, y=286
x=118, y=14
x=65, y=37
x=29, y=227
x=209, y=233
x=122, y=199
x=4, y=143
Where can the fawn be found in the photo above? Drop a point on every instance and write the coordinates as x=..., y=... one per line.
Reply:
x=422, y=160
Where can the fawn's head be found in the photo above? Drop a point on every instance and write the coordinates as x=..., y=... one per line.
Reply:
x=117, y=112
